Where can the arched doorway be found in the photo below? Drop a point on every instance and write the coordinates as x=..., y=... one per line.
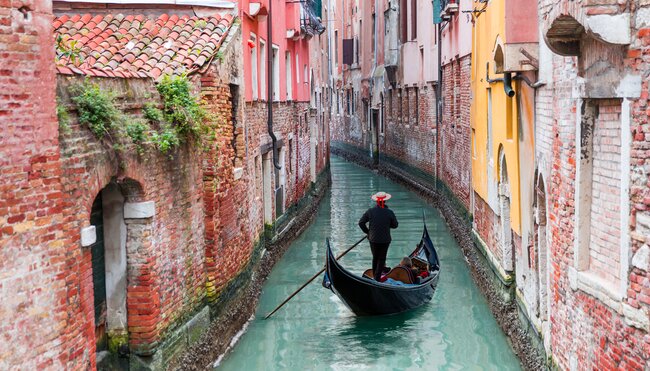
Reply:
x=507, y=251
x=109, y=264
x=542, y=250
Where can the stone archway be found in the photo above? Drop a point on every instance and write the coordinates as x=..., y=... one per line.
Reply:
x=108, y=255
x=118, y=235
x=541, y=257
x=505, y=235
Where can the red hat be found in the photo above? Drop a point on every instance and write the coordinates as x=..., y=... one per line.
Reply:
x=381, y=196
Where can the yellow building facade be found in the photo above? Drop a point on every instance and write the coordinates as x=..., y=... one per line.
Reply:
x=493, y=115
x=504, y=64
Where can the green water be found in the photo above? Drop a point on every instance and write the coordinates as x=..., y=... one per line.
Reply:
x=315, y=331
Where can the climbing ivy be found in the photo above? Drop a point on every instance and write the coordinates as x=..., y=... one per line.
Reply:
x=180, y=108
x=181, y=118
x=96, y=108
x=137, y=131
x=63, y=116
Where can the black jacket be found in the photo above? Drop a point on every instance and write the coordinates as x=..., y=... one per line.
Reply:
x=381, y=221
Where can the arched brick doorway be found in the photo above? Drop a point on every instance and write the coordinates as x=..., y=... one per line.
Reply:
x=507, y=250
x=120, y=226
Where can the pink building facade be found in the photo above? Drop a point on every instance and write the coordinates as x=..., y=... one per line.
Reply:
x=289, y=48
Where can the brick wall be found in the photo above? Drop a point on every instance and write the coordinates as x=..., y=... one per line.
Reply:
x=487, y=225
x=605, y=242
x=588, y=328
x=37, y=330
x=454, y=157
x=165, y=253
x=409, y=135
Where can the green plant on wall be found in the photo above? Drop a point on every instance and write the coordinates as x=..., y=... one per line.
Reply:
x=166, y=139
x=180, y=107
x=182, y=117
x=96, y=108
x=152, y=113
x=68, y=49
x=137, y=131
x=63, y=116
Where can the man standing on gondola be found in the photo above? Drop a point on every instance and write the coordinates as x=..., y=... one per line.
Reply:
x=381, y=220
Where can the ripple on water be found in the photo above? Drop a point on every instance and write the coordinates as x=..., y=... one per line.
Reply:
x=315, y=331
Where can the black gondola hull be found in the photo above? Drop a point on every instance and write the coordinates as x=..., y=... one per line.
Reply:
x=367, y=297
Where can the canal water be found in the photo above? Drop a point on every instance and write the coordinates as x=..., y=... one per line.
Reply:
x=315, y=331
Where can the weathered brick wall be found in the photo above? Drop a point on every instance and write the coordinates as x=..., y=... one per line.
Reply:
x=454, y=157
x=37, y=330
x=165, y=272
x=605, y=241
x=590, y=330
x=410, y=126
x=292, y=122
x=486, y=224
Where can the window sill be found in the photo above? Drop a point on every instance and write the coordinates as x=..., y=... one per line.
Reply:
x=607, y=294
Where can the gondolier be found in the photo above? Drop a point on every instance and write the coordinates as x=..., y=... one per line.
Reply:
x=381, y=219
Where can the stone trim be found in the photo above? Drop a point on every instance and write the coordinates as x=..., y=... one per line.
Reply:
x=506, y=278
x=596, y=287
x=88, y=236
x=139, y=210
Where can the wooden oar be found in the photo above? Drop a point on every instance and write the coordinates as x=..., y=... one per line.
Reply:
x=313, y=278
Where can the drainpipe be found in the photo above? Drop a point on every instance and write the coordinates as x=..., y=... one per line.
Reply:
x=269, y=86
x=506, y=80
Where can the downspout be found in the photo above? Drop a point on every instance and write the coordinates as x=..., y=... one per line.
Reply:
x=269, y=87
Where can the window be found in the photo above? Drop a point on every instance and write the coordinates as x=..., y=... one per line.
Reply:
x=489, y=125
x=399, y=99
x=422, y=64
x=262, y=69
x=359, y=51
x=403, y=21
x=602, y=204
x=276, y=73
x=474, y=143
x=338, y=103
x=348, y=102
x=288, y=74
x=381, y=116
x=254, y=68
x=416, y=114
x=390, y=104
x=298, y=68
x=356, y=50
x=374, y=30
x=408, y=108
x=290, y=156
x=336, y=50
x=414, y=20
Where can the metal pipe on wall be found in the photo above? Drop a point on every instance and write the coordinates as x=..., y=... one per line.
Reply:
x=269, y=88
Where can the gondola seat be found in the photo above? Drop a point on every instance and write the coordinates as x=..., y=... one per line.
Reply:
x=401, y=274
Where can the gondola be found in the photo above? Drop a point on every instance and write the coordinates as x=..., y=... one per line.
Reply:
x=367, y=297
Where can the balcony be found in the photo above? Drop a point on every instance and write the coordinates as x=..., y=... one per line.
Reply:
x=310, y=17
x=449, y=7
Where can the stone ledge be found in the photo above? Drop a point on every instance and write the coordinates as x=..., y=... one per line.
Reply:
x=139, y=210
x=506, y=278
x=596, y=287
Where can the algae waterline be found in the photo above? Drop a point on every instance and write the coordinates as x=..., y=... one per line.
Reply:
x=316, y=331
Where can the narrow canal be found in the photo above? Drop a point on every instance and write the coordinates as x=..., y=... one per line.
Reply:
x=315, y=331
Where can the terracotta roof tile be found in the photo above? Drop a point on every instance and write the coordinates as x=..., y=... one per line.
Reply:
x=136, y=45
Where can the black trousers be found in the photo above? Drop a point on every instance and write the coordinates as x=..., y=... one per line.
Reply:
x=379, y=251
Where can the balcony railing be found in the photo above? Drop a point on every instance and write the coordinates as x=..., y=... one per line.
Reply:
x=449, y=7
x=310, y=20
